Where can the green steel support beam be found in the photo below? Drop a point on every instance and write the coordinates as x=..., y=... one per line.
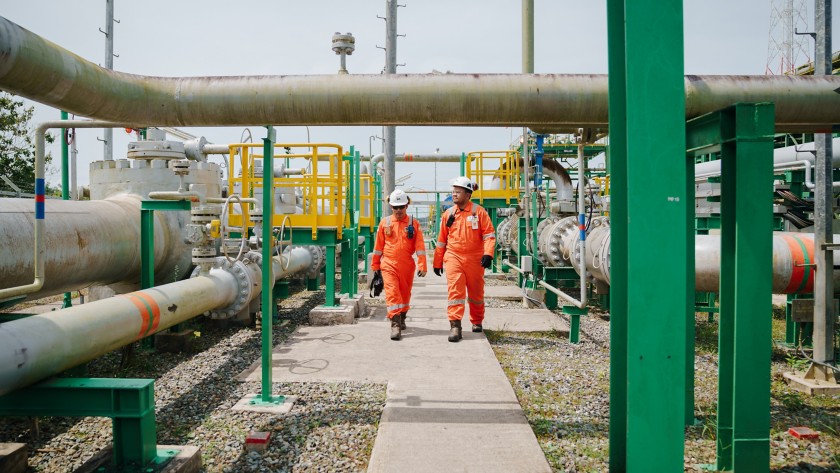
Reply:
x=743, y=135
x=329, y=280
x=574, y=315
x=147, y=235
x=690, y=321
x=267, y=296
x=647, y=123
x=65, y=189
x=129, y=402
x=463, y=166
x=618, y=231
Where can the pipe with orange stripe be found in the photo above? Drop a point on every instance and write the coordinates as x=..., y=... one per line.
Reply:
x=42, y=345
x=793, y=263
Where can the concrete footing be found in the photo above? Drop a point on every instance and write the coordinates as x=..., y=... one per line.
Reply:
x=811, y=386
x=13, y=457
x=186, y=459
x=341, y=314
x=357, y=302
x=247, y=403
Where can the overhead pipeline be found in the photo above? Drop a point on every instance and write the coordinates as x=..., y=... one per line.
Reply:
x=37, y=69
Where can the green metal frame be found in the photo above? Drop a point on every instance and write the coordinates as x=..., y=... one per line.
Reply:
x=128, y=402
x=743, y=135
x=147, y=235
x=647, y=139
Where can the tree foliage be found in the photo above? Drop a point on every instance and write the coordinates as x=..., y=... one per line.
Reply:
x=17, y=146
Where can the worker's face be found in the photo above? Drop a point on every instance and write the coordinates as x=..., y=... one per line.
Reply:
x=399, y=211
x=460, y=196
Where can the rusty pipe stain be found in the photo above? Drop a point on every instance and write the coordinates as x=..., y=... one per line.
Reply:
x=42, y=71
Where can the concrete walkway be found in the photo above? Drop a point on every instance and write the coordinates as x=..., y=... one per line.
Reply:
x=449, y=406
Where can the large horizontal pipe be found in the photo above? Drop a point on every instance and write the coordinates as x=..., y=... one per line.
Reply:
x=39, y=346
x=35, y=68
x=793, y=260
x=84, y=243
x=42, y=345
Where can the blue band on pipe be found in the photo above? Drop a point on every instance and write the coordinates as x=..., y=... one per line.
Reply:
x=39, y=199
x=582, y=223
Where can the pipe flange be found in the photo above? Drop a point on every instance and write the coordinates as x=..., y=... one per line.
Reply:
x=203, y=254
x=247, y=278
x=205, y=213
x=318, y=259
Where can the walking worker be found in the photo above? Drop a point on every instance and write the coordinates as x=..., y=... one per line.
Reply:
x=465, y=247
x=398, y=239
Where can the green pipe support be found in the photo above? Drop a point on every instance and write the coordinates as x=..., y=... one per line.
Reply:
x=65, y=190
x=128, y=402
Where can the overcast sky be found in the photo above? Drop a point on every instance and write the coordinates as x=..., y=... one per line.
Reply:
x=253, y=37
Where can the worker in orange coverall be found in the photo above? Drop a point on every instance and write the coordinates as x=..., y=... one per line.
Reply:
x=465, y=247
x=398, y=239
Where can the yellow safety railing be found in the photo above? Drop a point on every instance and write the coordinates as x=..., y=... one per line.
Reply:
x=366, y=202
x=318, y=176
x=496, y=172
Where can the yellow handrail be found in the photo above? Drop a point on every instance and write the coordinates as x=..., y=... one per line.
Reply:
x=498, y=170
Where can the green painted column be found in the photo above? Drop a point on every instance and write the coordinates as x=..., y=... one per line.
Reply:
x=745, y=288
x=267, y=298
x=329, y=280
x=618, y=241
x=463, y=165
x=656, y=297
x=690, y=323
x=65, y=189
x=147, y=248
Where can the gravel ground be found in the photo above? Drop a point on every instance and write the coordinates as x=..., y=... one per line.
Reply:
x=563, y=389
x=564, y=392
x=332, y=427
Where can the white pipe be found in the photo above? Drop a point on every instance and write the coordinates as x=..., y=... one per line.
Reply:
x=563, y=295
x=582, y=221
x=40, y=205
x=783, y=158
x=42, y=345
x=68, y=82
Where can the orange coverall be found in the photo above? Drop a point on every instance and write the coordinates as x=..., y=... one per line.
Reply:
x=393, y=254
x=459, y=250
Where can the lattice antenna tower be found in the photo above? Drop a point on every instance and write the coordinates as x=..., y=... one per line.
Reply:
x=789, y=43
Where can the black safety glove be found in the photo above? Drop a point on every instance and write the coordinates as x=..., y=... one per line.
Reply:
x=438, y=271
x=486, y=261
x=377, y=274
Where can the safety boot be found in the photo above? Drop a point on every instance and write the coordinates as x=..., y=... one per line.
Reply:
x=477, y=328
x=454, y=330
x=402, y=320
x=395, y=328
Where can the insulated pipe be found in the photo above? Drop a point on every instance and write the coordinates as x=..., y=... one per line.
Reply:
x=420, y=158
x=86, y=242
x=42, y=345
x=39, y=70
x=40, y=187
x=793, y=261
x=789, y=157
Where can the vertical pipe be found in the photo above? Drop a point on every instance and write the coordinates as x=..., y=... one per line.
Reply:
x=390, y=132
x=267, y=267
x=108, y=144
x=823, y=338
x=74, y=191
x=582, y=221
x=528, y=36
x=527, y=68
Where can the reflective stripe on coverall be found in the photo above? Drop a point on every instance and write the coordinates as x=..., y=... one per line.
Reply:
x=393, y=254
x=458, y=251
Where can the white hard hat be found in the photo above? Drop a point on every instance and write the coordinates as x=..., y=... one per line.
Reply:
x=398, y=198
x=462, y=181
